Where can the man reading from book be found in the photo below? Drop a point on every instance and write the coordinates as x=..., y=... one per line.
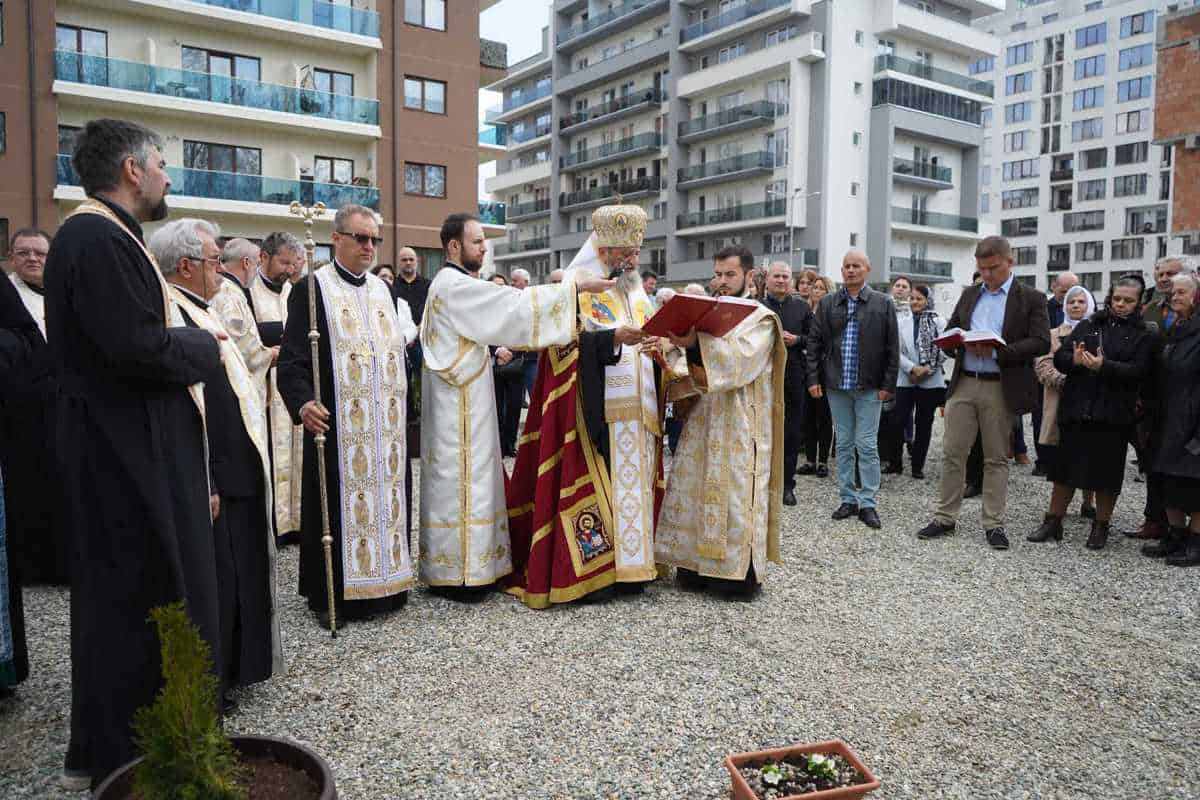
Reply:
x=721, y=514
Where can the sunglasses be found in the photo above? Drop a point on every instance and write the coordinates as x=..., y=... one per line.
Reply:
x=364, y=239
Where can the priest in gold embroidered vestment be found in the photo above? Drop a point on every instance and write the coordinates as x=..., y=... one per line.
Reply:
x=364, y=395
x=586, y=486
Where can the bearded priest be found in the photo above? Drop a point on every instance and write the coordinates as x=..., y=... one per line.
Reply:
x=720, y=518
x=586, y=486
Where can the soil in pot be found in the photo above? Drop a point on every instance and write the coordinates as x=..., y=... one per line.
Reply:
x=268, y=779
x=802, y=773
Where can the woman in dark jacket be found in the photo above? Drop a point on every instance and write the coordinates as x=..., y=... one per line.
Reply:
x=1175, y=429
x=1105, y=359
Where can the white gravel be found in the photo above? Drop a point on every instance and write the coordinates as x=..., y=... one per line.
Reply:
x=1049, y=671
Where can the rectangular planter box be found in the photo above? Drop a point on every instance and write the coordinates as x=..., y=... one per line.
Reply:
x=742, y=790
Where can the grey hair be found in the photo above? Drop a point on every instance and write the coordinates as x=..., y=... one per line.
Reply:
x=780, y=265
x=349, y=210
x=179, y=239
x=102, y=147
x=519, y=273
x=1190, y=277
x=237, y=249
x=279, y=241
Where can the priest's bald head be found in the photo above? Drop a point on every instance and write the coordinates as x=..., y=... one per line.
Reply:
x=188, y=256
x=619, y=233
x=122, y=162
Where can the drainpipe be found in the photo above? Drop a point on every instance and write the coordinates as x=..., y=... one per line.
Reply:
x=395, y=159
x=33, y=138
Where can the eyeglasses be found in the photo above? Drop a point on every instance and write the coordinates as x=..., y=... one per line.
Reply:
x=363, y=239
x=24, y=253
x=203, y=260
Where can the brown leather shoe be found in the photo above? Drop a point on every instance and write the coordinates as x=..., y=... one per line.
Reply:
x=1148, y=530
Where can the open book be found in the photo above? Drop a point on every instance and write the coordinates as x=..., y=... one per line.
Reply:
x=955, y=338
x=715, y=316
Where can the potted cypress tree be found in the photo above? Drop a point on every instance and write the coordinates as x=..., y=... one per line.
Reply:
x=184, y=752
x=818, y=771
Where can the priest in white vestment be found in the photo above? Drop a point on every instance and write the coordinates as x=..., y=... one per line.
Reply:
x=720, y=518
x=464, y=537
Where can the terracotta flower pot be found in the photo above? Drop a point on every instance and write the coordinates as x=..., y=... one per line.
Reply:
x=119, y=784
x=742, y=790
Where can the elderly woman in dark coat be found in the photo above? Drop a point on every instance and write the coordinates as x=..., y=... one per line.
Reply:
x=1175, y=436
x=1105, y=359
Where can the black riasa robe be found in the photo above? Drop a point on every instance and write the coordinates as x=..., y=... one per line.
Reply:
x=133, y=474
x=18, y=669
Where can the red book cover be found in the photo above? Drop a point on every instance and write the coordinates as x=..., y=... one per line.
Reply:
x=679, y=314
x=726, y=315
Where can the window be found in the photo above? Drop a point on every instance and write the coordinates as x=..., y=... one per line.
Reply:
x=3, y=130
x=221, y=158
x=227, y=65
x=1125, y=249
x=1016, y=142
x=734, y=51
x=426, y=13
x=1083, y=221
x=1095, y=5
x=1091, y=281
x=1134, y=88
x=87, y=42
x=1130, y=185
x=428, y=180
x=1087, y=129
x=1020, y=54
x=1093, y=159
x=1134, y=57
x=1089, y=251
x=1092, y=190
x=426, y=95
x=1087, y=98
x=1052, y=139
x=986, y=64
x=856, y=138
x=1091, y=35
x=1018, y=112
x=985, y=118
x=781, y=35
x=331, y=82
x=1021, y=82
x=1133, y=153
x=1059, y=255
x=858, y=38
x=854, y=186
x=1018, y=170
x=1017, y=26
x=1047, y=19
x=854, y=240
x=985, y=203
x=1019, y=198
x=1131, y=121
x=1021, y=226
x=857, y=88
x=1025, y=256
x=66, y=139
x=891, y=91
x=333, y=170
x=1090, y=67
x=1137, y=24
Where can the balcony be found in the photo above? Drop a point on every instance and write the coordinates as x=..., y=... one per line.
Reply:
x=518, y=137
x=917, y=69
x=167, y=82
x=599, y=195
x=511, y=174
x=593, y=28
x=535, y=208
x=1059, y=262
x=737, y=14
x=518, y=99
x=746, y=212
x=510, y=248
x=932, y=219
x=1060, y=175
x=491, y=213
x=333, y=16
x=734, y=119
x=806, y=48
x=634, y=102
x=922, y=173
x=494, y=136
x=616, y=65
x=943, y=27
x=726, y=169
x=934, y=271
x=199, y=183
x=643, y=143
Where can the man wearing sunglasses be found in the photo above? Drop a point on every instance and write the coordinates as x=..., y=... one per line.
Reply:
x=362, y=413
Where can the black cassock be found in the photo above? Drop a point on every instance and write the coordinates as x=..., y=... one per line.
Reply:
x=11, y=347
x=134, y=478
x=241, y=534
x=28, y=393
x=295, y=381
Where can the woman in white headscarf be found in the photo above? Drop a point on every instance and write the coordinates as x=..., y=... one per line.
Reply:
x=1078, y=305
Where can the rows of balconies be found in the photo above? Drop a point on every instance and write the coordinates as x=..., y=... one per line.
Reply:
x=614, y=109
x=625, y=13
x=934, y=219
x=919, y=69
x=534, y=208
x=599, y=195
x=739, y=166
x=742, y=212
x=738, y=118
x=738, y=13
x=613, y=151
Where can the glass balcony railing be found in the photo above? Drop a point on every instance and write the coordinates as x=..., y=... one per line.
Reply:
x=526, y=246
x=739, y=213
x=945, y=77
x=249, y=188
x=736, y=14
x=171, y=82
x=592, y=23
x=921, y=268
x=599, y=194
x=333, y=16
x=631, y=100
x=494, y=135
x=637, y=49
x=921, y=169
x=519, y=98
x=761, y=110
x=491, y=213
x=529, y=209
x=933, y=219
x=728, y=166
x=522, y=135
x=643, y=141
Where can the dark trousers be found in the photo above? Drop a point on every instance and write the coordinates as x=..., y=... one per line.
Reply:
x=891, y=435
x=510, y=389
x=922, y=404
x=674, y=429
x=975, y=463
x=1018, y=436
x=818, y=430
x=1156, y=501
x=794, y=392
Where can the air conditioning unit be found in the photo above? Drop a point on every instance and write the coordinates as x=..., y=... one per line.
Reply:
x=1192, y=142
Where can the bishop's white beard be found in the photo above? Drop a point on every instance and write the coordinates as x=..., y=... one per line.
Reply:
x=629, y=281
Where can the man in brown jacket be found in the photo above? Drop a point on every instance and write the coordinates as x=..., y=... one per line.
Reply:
x=989, y=386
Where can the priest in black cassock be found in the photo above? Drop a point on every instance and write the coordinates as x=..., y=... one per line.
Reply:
x=28, y=392
x=187, y=253
x=131, y=442
x=362, y=413
x=14, y=655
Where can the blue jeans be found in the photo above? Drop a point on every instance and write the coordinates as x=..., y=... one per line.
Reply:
x=856, y=427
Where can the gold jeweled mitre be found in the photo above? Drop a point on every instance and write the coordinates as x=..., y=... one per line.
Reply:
x=619, y=226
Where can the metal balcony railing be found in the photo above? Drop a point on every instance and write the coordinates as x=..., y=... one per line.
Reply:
x=760, y=110
x=921, y=169
x=735, y=15
x=1062, y=174
x=643, y=141
x=333, y=16
x=592, y=23
x=761, y=159
x=918, y=69
x=934, y=219
x=135, y=77
x=740, y=213
x=529, y=209
x=526, y=246
x=596, y=194
x=921, y=267
x=634, y=98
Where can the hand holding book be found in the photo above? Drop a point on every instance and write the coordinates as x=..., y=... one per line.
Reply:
x=956, y=338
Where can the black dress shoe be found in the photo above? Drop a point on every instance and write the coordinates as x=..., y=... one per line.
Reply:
x=870, y=518
x=463, y=594
x=1098, y=537
x=1051, y=528
x=789, y=497
x=997, y=538
x=822, y=471
x=890, y=469
x=1188, y=556
x=972, y=490
x=918, y=473
x=845, y=511
x=807, y=469
x=633, y=587
x=1173, y=543
x=935, y=530
x=690, y=579
x=1038, y=470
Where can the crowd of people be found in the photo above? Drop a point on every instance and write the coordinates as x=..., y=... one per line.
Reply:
x=173, y=406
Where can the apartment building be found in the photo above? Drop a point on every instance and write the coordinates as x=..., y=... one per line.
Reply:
x=259, y=104
x=1071, y=173
x=798, y=129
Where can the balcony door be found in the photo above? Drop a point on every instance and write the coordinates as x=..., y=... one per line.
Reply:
x=220, y=77
x=223, y=172
x=81, y=55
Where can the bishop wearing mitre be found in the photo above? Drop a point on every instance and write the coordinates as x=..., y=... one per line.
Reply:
x=364, y=392
x=720, y=517
x=587, y=483
x=465, y=545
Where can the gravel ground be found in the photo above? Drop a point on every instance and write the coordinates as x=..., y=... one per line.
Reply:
x=1048, y=671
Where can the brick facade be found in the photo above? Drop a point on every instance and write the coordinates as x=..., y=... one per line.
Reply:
x=1177, y=111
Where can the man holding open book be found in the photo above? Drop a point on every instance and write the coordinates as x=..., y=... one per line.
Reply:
x=996, y=331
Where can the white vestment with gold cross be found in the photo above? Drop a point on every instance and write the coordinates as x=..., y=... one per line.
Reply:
x=464, y=517
x=724, y=494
